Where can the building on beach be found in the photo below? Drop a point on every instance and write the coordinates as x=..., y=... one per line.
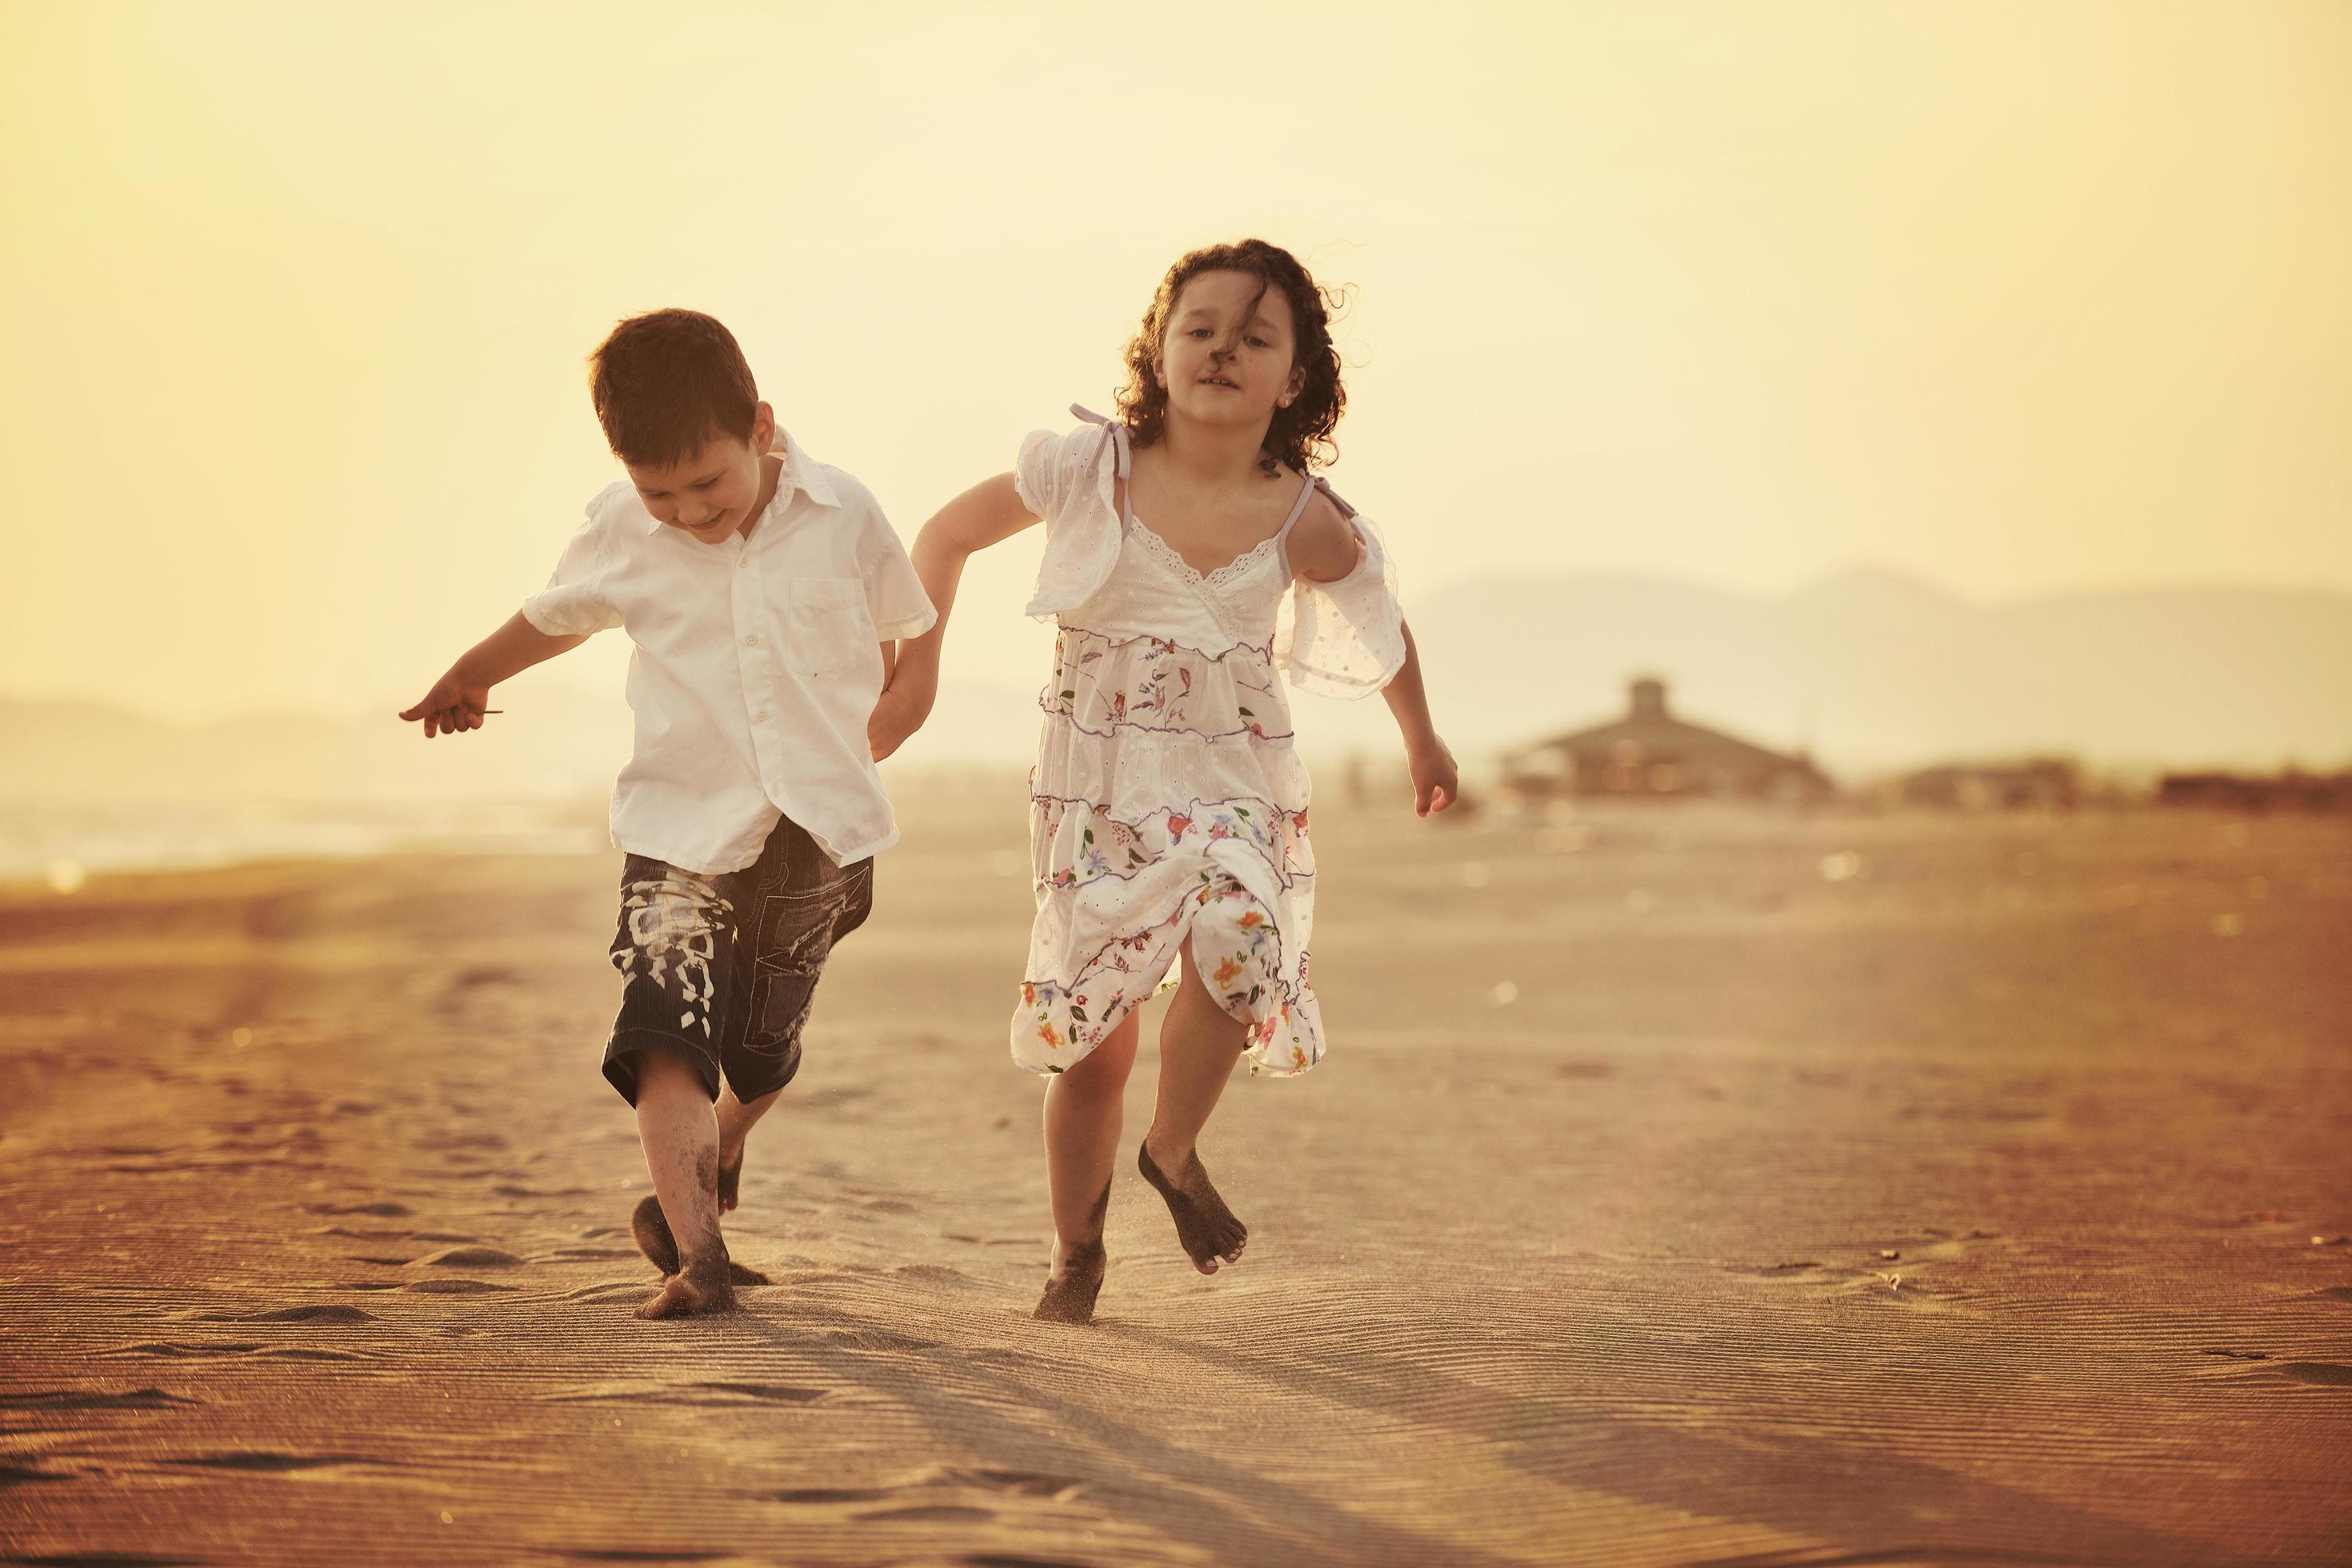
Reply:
x=2036, y=783
x=2293, y=790
x=1650, y=753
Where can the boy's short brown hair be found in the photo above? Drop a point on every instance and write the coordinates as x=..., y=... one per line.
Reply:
x=666, y=382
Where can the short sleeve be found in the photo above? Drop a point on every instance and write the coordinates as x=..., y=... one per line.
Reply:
x=894, y=594
x=574, y=602
x=1054, y=469
x=1344, y=639
x=1071, y=480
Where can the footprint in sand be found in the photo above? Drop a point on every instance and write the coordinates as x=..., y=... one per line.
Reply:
x=84, y=1399
x=470, y=1257
x=455, y=1287
x=769, y=1392
x=268, y=1463
x=928, y=1514
x=313, y=1314
x=934, y=1274
x=877, y=1340
x=1015, y=1483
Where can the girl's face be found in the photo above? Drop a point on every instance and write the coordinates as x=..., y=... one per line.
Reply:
x=1227, y=358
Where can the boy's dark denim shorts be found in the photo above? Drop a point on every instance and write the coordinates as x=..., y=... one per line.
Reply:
x=720, y=970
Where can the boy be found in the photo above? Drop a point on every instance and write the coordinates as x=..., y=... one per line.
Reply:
x=765, y=594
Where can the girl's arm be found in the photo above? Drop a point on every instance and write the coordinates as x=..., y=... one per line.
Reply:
x=1325, y=549
x=1436, y=782
x=988, y=513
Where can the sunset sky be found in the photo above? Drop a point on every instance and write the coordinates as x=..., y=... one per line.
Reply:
x=2015, y=298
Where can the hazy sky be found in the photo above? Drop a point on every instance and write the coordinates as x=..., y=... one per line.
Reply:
x=2017, y=297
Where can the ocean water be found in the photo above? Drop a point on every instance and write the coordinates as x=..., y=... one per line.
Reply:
x=66, y=843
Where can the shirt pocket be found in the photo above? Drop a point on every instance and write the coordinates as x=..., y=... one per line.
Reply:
x=828, y=628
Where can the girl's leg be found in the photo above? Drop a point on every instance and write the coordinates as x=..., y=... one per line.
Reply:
x=1199, y=1045
x=1082, y=1122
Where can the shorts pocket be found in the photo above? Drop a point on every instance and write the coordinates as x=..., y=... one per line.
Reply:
x=779, y=1004
x=828, y=628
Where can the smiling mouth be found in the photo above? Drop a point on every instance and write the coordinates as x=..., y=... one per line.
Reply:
x=1219, y=380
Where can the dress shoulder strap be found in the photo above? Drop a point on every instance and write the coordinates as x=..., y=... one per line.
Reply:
x=1298, y=508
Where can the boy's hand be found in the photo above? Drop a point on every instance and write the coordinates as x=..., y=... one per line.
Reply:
x=897, y=713
x=452, y=705
x=1436, y=782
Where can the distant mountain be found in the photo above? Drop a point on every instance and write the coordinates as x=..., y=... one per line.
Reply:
x=1872, y=669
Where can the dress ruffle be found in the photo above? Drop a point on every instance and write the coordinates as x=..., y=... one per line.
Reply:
x=1167, y=801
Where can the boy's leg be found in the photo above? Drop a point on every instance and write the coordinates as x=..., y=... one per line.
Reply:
x=1083, y=1108
x=675, y=947
x=735, y=1119
x=797, y=905
x=1199, y=1044
x=681, y=1140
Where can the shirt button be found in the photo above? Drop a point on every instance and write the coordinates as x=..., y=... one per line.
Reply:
x=751, y=639
x=742, y=562
x=760, y=716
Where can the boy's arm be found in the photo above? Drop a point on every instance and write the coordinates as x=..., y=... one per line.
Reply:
x=1436, y=782
x=989, y=512
x=459, y=698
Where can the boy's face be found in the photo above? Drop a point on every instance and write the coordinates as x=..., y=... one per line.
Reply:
x=712, y=493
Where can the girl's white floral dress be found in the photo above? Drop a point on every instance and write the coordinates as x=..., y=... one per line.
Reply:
x=1168, y=800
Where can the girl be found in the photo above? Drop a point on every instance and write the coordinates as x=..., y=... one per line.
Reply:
x=1168, y=808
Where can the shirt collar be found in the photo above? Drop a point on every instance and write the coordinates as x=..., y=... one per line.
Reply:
x=799, y=473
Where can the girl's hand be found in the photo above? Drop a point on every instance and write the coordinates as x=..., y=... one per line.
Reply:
x=897, y=713
x=454, y=704
x=1436, y=782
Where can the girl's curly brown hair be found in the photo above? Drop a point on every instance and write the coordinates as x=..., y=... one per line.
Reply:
x=1299, y=435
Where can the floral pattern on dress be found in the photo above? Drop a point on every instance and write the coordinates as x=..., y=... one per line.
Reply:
x=1168, y=805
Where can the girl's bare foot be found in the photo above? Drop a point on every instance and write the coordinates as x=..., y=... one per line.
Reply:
x=1070, y=1290
x=730, y=1184
x=1205, y=1228
x=698, y=1292
x=652, y=1230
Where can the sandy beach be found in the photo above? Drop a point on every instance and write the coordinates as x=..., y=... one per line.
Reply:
x=1689, y=1187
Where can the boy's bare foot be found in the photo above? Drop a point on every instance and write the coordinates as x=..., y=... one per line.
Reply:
x=651, y=1228
x=730, y=1182
x=1206, y=1229
x=698, y=1292
x=1070, y=1290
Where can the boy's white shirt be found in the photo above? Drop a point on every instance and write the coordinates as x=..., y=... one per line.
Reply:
x=758, y=662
